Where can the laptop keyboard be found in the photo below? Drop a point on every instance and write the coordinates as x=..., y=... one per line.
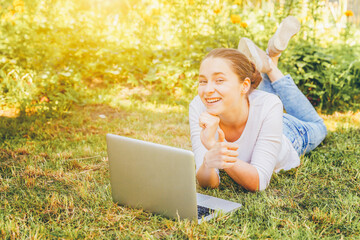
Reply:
x=204, y=211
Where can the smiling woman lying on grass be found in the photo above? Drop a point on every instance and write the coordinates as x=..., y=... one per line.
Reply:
x=242, y=130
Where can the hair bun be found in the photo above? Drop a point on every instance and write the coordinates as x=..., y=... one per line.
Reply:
x=256, y=77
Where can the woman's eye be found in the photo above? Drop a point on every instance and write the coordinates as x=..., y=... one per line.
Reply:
x=219, y=80
x=202, y=81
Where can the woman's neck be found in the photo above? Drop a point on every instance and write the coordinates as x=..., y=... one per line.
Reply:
x=234, y=121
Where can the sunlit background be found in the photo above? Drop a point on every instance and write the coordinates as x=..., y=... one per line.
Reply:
x=72, y=71
x=57, y=53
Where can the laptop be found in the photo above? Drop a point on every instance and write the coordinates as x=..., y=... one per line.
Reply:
x=159, y=179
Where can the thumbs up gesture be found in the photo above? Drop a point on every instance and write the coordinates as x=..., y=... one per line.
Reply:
x=222, y=154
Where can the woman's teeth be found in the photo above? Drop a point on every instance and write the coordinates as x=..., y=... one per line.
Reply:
x=212, y=100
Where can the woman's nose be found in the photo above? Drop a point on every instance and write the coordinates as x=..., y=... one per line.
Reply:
x=209, y=89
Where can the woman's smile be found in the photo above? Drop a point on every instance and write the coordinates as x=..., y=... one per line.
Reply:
x=212, y=100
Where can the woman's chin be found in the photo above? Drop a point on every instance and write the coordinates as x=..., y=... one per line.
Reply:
x=213, y=111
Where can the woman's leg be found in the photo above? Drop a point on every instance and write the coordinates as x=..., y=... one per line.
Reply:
x=294, y=101
x=265, y=84
x=304, y=136
x=302, y=125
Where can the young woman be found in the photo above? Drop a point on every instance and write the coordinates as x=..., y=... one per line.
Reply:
x=242, y=130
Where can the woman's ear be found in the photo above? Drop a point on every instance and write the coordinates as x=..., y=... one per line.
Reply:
x=246, y=84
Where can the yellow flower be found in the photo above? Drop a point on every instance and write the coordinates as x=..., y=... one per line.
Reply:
x=349, y=13
x=7, y=16
x=235, y=19
x=238, y=2
x=17, y=3
x=244, y=24
x=44, y=99
x=19, y=9
x=149, y=20
x=269, y=14
x=155, y=11
x=216, y=10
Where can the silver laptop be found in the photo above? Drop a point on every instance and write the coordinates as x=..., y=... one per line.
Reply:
x=159, y=179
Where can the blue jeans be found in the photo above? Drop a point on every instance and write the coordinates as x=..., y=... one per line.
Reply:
x=301, y=124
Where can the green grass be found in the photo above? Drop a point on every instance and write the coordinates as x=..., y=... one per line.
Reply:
x=54, y=179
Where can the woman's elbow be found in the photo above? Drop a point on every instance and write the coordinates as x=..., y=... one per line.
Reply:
x=252, y=187
x=207, y=183
x=252, y=183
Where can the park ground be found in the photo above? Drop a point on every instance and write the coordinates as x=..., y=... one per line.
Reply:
x=55, y=180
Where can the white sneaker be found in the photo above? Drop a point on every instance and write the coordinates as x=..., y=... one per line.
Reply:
x=287, y=29
x=254, y=54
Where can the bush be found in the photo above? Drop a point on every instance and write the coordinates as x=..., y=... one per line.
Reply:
x=54, y=53
x=328, y=77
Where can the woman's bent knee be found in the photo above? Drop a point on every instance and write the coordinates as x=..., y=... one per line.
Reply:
x=323, y=129
x=318, y=135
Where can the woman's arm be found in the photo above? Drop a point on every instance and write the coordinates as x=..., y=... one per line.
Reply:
x=207, y=177
x=222, y=155
x=206, y=167
x=256, y=175
x=245, y=175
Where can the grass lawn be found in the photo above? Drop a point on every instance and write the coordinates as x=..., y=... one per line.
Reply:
x=54, y=179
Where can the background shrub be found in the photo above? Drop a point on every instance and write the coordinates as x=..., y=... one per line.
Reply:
x=57, y=53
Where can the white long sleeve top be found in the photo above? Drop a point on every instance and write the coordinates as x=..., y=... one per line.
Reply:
x=262, y=143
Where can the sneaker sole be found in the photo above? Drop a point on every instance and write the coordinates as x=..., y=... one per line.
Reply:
x=254, y=54
x=288, y=28
x=247, y=47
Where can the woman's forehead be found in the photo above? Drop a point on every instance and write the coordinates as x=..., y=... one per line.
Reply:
x=212, y=65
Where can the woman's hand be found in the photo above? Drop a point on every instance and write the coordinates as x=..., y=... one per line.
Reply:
x=222, y=154
x=209, y=124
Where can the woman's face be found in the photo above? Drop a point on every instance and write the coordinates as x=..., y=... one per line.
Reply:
x=219, y=87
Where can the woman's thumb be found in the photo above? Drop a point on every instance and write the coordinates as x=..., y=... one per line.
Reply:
x=221, y=135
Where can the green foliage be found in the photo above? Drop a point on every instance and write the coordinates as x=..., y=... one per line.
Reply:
x=70, y=48
x=44, y=94
x=328, y=77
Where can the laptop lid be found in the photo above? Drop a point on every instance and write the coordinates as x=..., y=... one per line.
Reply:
x=157, y=178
